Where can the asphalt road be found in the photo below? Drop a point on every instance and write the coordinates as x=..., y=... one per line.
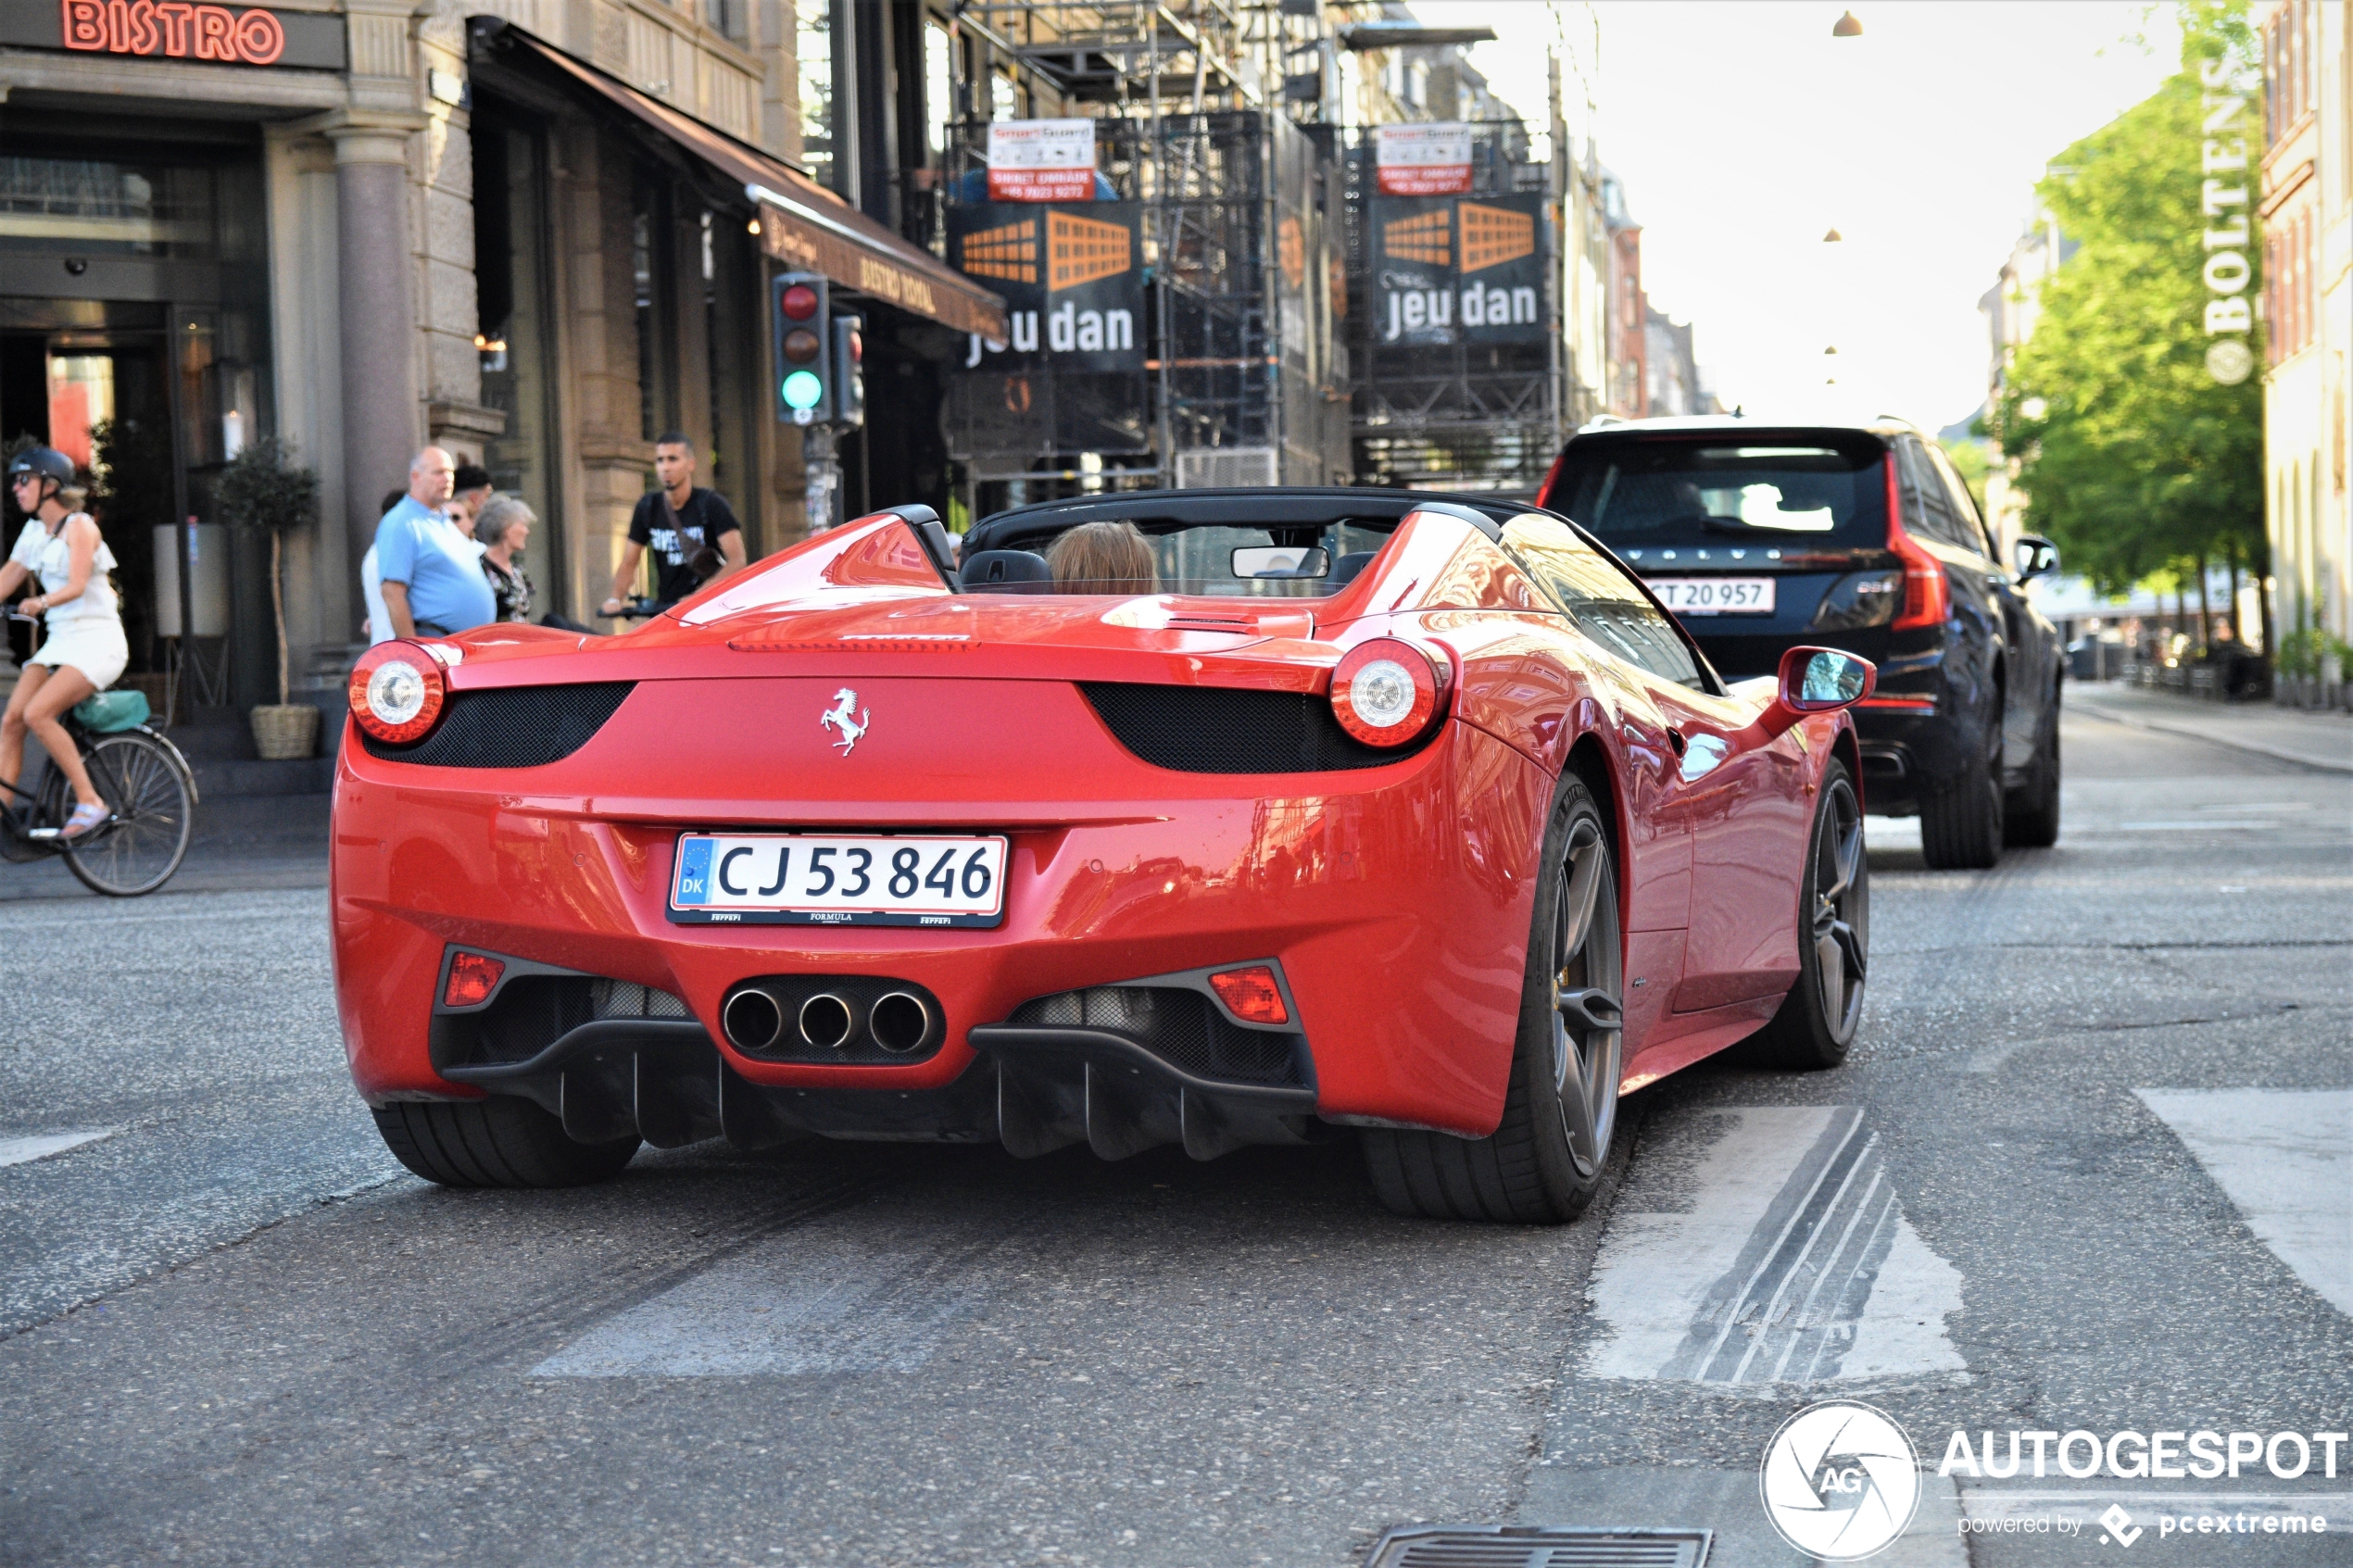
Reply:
x=2087, y=1169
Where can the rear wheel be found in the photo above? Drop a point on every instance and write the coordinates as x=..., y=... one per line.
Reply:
x=498, y=1142
x=1817, y=1023
x=1961, y=822
x=154, y=804
x=2031, y=818
x=1545, y=1161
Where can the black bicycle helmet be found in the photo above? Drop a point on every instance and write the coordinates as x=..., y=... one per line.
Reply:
x=47, y=461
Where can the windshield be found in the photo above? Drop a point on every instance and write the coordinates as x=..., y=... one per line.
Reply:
x=1766, y=491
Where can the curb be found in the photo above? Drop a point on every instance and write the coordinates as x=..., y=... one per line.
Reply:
x=2186, y=732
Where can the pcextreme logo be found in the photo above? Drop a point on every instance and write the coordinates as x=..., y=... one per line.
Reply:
x=1840, y=1481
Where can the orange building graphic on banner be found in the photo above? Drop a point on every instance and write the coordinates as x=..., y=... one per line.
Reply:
x=1428, y=238
x=1010, y=253
x=1493, y=235
x=1082, y=250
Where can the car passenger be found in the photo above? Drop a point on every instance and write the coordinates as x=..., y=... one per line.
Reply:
x=1103, y=558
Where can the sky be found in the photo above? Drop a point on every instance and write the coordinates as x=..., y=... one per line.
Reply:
x=1744, y=130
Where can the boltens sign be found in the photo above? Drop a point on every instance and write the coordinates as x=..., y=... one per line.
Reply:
x=1458, y=272
x=177, y=30
x=2230, y=315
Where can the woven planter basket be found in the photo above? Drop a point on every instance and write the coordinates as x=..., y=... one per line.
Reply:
x=284, y=733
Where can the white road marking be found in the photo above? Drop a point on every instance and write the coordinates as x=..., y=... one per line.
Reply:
x=40, y=1146
x=1786, y=1259
x=828, y=1299
x=2284, y=1157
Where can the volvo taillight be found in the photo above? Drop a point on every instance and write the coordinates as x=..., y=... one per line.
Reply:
x=1927, y=601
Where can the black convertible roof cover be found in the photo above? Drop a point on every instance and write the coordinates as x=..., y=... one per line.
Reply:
x=1160, y=511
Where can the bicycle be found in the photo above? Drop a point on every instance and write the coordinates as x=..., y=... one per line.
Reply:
x=141, y=775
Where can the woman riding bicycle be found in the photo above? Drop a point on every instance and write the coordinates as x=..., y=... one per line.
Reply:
x=85, y=649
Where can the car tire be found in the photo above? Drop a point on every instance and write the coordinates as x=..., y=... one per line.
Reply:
x=1550, y=1154
x=2030, y=818
x=1818, y=1022
x=498, y=1142
x=1961, y=821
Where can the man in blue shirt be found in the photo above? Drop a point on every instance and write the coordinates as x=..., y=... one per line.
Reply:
x=432, y=570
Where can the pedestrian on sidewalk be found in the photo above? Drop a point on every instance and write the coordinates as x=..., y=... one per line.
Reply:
x=432, y=569
x=503, y=527
x=85, y=650
x=679, y=522
x=470, y=490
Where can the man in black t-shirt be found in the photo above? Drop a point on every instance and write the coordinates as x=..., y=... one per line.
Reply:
x=677, y=522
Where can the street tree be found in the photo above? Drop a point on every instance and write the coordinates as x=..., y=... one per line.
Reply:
x=2133, y=455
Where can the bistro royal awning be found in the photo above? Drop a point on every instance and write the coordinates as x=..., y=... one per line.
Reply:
x=801, y=223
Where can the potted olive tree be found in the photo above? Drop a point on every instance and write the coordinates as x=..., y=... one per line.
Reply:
x=262, y=490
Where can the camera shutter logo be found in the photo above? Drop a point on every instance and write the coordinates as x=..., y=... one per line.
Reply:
x=1840, y=1481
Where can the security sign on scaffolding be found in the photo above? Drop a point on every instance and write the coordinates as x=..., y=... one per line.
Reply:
x=1458, y=272
x=1424, y=160
x=1072, y=280
x=1042, y=160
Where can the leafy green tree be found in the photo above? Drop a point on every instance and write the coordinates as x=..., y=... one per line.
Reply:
x=2132, y=456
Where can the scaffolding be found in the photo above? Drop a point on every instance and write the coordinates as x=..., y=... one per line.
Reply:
x=1244, y=380
x=1457, y=415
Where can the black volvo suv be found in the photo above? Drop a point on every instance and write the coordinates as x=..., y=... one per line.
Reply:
x=1761, y=537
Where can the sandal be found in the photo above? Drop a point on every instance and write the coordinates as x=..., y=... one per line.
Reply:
x=85, y=821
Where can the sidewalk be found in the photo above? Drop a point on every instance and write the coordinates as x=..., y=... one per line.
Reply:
x=240, y=842
x=2315, y=740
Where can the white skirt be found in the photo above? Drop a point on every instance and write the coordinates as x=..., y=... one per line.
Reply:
x=95, y=647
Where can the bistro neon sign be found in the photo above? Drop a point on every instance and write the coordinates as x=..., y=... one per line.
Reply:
x=176, y=28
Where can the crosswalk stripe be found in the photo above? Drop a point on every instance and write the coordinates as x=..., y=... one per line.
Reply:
x=1788, y=1261
x=2284, y=1158
x=40, y=1146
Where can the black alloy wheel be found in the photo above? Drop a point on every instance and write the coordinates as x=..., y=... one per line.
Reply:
x=1549, y=1156
x=2030, y=818
x=1816, y=1025
x=1961, y=822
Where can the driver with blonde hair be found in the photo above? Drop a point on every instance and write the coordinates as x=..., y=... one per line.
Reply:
x=1103, y=558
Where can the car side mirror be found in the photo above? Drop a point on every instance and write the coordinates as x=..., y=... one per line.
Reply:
x=1817, y=681
x=2036, y=556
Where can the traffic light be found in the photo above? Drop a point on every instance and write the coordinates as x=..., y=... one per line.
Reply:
x=850, y=378
x=804, y=370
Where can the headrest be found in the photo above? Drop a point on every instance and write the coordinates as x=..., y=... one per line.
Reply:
x=1344, y=571
x=999, y=571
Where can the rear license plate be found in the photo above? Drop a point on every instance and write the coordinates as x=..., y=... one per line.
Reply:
x=1715, y=596
x=837, y=879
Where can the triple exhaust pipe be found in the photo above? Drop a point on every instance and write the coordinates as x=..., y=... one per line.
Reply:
x=757, y=1019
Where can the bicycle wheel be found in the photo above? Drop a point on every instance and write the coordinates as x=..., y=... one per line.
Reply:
x=153, y=814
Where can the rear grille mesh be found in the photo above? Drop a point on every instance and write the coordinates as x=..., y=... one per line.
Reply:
x=533, y=1011
x=510, y=726
x=1221, y=730
x=1181, y=1027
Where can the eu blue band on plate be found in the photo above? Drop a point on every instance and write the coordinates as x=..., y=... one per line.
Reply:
x=693, y=870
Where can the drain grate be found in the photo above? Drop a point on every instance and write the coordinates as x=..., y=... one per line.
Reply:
x=1536, y=1546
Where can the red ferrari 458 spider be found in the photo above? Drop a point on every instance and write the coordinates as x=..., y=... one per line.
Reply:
x=1236, y=817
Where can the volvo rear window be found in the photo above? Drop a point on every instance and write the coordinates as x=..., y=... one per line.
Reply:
x=1765, y=490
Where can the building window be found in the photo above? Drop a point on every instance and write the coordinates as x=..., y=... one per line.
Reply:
x=813, y=52
x=939, y=91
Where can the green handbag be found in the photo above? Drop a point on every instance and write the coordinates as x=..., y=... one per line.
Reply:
x=109, y=711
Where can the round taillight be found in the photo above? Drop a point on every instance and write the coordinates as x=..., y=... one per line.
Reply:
x=1387, y=691
x=397, y=692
